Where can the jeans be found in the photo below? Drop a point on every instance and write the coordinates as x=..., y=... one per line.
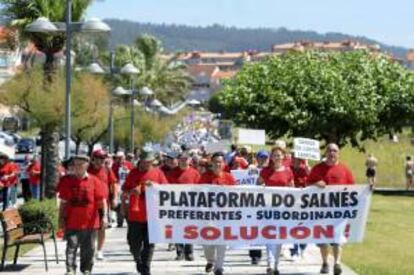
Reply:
x=297, y=248
x=5, y=197
x=25, y=189
x=215, y=255
x=139, y=245
x=184, y=249
x=86, y=240
x=273, y=253
x=255, y=254
x=35, y=190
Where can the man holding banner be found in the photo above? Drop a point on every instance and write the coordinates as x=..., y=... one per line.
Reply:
x=331, y=172
x=134, y=188
x=215, y=253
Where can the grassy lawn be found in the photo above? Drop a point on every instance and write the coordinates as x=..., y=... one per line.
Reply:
x=388, y=245
x=391, y=160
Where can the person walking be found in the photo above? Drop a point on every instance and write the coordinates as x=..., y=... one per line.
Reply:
x=217, y=176
x=275, y=175
x=184, y=174
x=371, y=171
x=145, y=174
x=81, y=198
x=409, y=172
x=34, y=170
x=121, y=168
x=262, y=158
x=331, y=172
x=24, y=178
x=107, y=178
x=301, y=170
x=8, y=179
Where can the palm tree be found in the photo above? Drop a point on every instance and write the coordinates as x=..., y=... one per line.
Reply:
x=20, y=13
x=162, y=74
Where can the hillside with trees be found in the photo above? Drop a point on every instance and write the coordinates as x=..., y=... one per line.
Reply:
x=220, y=38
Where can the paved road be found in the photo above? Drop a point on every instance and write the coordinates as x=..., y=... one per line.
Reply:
x=118, y=261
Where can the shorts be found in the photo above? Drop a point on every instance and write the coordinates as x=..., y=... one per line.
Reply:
x=370, y=173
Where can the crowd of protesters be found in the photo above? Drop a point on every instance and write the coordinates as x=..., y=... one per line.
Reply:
x=96, y=186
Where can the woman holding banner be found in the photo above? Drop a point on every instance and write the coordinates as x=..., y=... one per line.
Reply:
x=216, y=175
x=262, y=158
x=275, y=175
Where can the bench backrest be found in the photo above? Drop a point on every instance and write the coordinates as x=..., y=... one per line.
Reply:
x=12, y=224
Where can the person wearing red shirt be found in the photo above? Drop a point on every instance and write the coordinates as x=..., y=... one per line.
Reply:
x=81, y=198
x=169, y=166
x=107, y=178
x=331, y=172
x=238, y=163
x=34, y=170
x=134, y=189
x=8, y=178
x=301, y=170
x=184, y=174
x=217, y=176
x=275, y=175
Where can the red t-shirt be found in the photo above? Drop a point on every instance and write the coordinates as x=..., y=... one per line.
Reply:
x=276, y=178
x=82, y=197
x=137, y=211
x=187, y=176
x=224, y=178
x=34, y=170
x=331, y=174
x=106, y=176
x=7, y=169
x=300, y=175
x=169, y=173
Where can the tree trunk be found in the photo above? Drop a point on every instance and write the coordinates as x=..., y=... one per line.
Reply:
x=50, y=160
x=49, y=66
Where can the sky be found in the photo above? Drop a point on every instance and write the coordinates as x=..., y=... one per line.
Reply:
x=391, y=22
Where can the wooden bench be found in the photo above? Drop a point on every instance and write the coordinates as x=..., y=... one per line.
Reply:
x=16, y=234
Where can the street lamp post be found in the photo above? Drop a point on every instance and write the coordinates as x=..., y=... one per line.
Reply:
x=68, y=120
x=43, y=25
x=130, y=69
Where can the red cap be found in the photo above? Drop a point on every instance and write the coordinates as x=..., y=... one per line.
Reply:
x=99, y=154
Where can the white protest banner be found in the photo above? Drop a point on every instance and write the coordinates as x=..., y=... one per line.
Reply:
x=249, y=215
x=251, y=136
x=306, y=148
x=246, y=177
x=220, y=146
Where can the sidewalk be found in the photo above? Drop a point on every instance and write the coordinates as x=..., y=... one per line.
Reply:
x=118, y=261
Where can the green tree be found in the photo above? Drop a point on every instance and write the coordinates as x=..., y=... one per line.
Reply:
x=90, y=110
x=337, y=97
x=20, y=13
x=149, y=127
x=164, y=76
x=45, y=105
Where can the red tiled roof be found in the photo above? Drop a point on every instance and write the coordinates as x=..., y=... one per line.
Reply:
x=410, y=55
x=198, y=69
